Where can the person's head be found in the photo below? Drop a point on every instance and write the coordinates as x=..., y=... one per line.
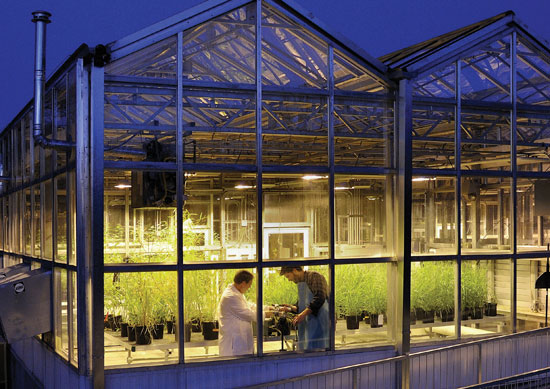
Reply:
x=243, y=280
x=293, y=273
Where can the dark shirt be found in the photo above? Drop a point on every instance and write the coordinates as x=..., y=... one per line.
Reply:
x=318, y=285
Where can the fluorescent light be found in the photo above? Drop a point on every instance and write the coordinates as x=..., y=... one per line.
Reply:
x=244, y=186
x=312, y=177
x=343, y=187
x=123, y=186
x=420, y=179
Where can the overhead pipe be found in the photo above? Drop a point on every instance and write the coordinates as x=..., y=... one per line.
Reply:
x=41, y=19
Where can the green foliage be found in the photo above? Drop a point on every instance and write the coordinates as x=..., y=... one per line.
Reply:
x=474, y=284
x=279, y=290
x=377, y=288
x=432, y=286
x=361, y=287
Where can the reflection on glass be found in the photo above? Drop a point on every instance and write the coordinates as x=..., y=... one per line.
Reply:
x=140, y=310
x=74, y=318
x=485, y=292
x=295, y=216
x=363, y=313
x=433, y=215
x=432, y=301
x=533, y=222
x=531, y=302
x=61, y=219
x=485, y=214
x=361, y=221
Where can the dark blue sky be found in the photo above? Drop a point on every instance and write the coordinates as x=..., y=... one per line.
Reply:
x=379, y=26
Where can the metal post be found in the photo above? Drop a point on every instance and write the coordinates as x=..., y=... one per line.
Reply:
x=458, y=200
x=259, y=171
x=513, y=187
x=331, y=140
x=96, y=162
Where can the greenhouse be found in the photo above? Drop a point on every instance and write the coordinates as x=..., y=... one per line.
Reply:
x=237, y=135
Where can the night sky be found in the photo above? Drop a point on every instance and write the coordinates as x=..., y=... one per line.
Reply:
x=379, y=27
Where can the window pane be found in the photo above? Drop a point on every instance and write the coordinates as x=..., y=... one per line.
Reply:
x=363, y=309
x=139, y=308
x=61, y=218
x=530, y=301
x=432, y=294
x=219, y=318
x=362, y=216
x=219, y=217
x=295, y=216
x=61, y=313
x=433, y=215
x=486, y=291
x=439, y=84
x=485, y=214
x=299, y=289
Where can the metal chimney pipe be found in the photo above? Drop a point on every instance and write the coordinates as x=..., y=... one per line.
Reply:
x=40, y=19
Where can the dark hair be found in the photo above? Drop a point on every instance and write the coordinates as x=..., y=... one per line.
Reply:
x=243, y=276
x=288, y=269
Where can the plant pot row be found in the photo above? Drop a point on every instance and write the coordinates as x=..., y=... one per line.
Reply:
x=375, y=321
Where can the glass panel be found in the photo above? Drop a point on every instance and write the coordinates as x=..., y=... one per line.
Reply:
x=433, y=136
x=49, y=108
x=71, y=109
x=222, y=49
x=362, y=216
x=485, y=139
x=140, y=124
x=439, y=84
x=485, y=215
x=214, y=305
x=72, y=217
x=27, y=145
x=485, y=74
x=293, y=293
x=37, y=225
x=48, y=219
x=60, y=119
x=362, y=295
x=433, y=215
x=295, y=216
x=533, y=214
x=74, y=317
x=61, y=219
x=533, y=67
x=27, y=228
x=219, y=127
x=363, y=133
x=350, y=76
x=140, y=216
x=486, y=291
x=61, y=313
x=295, y=130
x=531, y=302
x=291, y=55
x=432, y=294
x=139, y=312
x=157, y=60
x=219, y=217
x=533, y=132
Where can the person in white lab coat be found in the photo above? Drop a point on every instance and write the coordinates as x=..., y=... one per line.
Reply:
x=236, y=315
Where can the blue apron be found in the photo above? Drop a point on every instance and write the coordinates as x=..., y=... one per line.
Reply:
x=313, y=332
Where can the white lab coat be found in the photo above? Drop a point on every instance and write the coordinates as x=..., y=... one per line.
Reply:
x=235, y=315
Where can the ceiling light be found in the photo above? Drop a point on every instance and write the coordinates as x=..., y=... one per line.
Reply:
x=123, y=185
x=420, y=179
x=313, y=177
x=244, y=186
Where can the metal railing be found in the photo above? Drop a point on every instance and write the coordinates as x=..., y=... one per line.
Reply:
x=459, y=365
x=539, y=378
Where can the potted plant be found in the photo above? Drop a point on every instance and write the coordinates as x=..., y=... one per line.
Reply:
x=376, y=297
x=474, y=289
x=444, y=296
x=491, y=304
x=350, y=301
x=140, y=303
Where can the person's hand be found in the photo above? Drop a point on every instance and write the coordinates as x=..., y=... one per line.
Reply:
x=301, y=316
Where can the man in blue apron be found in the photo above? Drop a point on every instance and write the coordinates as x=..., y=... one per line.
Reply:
x=312, y=310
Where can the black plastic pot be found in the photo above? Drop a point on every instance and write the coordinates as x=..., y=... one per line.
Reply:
x=169, y=327
x=413, y=317
x=374, y=321
x=196, y=325
x=268, y=327
x=352, y=322
x=210, y=330
x=477, y=313
x=143, y=336
x=187, y=332
x=124, y=330
x=466, y=313
x=447, y=315
x=490, y=309
x=158, y=331
x=425, y=316
x=283, y=324
x=131, y=334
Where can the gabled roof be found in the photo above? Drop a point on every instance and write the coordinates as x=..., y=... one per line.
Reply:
x=214, y=8
x=443, y=49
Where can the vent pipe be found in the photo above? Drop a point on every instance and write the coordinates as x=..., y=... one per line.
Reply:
x=40, y=19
